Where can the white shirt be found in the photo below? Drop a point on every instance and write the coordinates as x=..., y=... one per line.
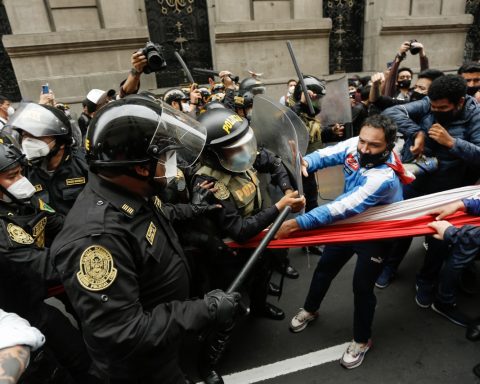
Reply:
x=15, y=330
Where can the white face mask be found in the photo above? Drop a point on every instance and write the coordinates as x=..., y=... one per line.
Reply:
x=291, y=89
x=185, y=107
x=21, y=189
x=10, y=111
x=170, y=167
x=34, y=148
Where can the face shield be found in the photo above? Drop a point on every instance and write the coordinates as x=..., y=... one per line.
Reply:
x=37, y=121
x=239, y=156
x=178, y=132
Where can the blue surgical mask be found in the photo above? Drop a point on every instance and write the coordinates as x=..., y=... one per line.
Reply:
x=240, y=161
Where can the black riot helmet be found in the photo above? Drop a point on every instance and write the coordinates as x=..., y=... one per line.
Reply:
x=42, y=120
x=252, y=85
x=313, y=84
x=137, y=130
x=230, y=143
x=10, y=154
x=175, y=94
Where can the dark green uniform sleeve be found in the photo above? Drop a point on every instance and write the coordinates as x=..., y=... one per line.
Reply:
x=233, y=224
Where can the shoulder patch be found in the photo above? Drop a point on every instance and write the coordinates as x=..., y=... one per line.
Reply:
x=97, y=270
x=128, y=209
x=222, y=191
x=44, y=206
x=151, y=231
x=157, y=202
x=18, y=234
x=75, y=181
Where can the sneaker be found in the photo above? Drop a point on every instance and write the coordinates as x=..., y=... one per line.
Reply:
x=301, y=320
x=385, y=277
x=354, y=354
x=424, y=296
x=451, y=312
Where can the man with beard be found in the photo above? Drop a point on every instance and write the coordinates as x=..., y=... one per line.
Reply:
x=373, y=176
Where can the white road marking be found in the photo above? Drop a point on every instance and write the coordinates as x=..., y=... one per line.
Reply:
x=284, y=367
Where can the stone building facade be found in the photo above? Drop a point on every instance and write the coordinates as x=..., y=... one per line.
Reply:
x=76, y=45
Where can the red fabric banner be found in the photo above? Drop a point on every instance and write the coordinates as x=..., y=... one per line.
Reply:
x=354, y=232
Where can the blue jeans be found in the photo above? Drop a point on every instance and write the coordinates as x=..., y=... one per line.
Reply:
x=368, y=268
x=449, y=274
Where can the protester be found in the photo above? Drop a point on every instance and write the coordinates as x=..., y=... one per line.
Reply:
x=370, y=170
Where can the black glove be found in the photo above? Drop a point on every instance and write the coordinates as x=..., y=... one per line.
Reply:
x=222, y=306
x=216, y=247
x=201, y=201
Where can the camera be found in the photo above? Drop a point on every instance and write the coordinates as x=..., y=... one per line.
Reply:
x=414, y=48
x=155, y=59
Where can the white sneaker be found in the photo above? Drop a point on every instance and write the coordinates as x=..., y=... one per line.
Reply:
x=301, y=320
x=354, y=354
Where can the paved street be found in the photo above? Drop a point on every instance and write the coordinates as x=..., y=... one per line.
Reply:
x=410, y=344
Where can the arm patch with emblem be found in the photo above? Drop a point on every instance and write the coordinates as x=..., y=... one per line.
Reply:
x=97, y=271
x=222, y=191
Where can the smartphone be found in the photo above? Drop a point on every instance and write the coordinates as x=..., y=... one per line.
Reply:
x=45, y=88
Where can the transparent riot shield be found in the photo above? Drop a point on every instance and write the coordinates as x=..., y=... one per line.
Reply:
x=281, y=131
x=336, y=107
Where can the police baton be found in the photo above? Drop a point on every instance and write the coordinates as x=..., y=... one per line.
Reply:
x=259, y=250
x=300, y=79
x=185, y=68
x=212, y=73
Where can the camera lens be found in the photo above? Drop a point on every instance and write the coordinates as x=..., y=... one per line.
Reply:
x=154, y=60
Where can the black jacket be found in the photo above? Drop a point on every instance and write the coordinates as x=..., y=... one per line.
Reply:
x=61, y=188
x=128, y=280
x=26, y=270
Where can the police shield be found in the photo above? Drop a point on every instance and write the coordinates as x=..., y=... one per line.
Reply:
x=336, y=107
x=280, y=130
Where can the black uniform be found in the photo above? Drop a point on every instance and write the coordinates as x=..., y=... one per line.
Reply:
x=61, y=188
x=26, y=272
x=127, y=277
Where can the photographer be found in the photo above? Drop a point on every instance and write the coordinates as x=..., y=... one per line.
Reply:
x=397, y=81
x=146, y=60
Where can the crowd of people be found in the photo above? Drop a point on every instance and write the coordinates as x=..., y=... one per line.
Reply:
x=122, y=215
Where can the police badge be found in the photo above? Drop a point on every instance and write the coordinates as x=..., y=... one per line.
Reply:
x=18, y=235
x=96, y=269
x=222, y=191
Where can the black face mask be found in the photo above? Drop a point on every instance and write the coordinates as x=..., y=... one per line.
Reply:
x=445, y=118
x=472, y=90
x=404, y=84
x=368, y=160
x=417, y=96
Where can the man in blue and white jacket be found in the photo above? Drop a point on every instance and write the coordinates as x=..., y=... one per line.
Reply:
x=373, y=176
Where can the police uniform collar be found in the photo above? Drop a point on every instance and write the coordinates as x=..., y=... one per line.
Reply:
x=121, y=198
x=9, y=209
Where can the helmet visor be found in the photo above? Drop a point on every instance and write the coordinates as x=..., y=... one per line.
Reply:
x=180, y=132
x=239, y=156
x=37, y=121
x=258, y=90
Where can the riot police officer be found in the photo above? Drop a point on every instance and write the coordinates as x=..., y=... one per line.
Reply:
x=56, y=168
x=118, y=255
x=228, y=161
x=27, y=226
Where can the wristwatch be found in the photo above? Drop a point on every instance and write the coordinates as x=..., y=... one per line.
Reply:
x=134, y=72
